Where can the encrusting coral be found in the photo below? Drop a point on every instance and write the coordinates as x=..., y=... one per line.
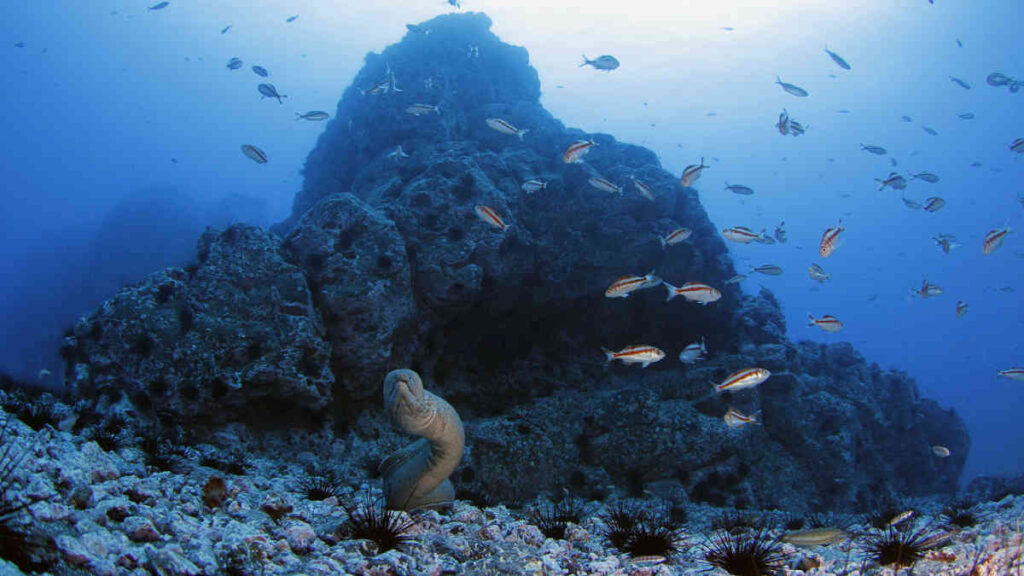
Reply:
x=417, y=476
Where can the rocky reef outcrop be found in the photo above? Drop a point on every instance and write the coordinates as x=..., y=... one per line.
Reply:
x=384, y=264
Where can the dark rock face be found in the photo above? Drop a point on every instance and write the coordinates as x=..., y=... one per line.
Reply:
x=355, y=260
x=234, y=338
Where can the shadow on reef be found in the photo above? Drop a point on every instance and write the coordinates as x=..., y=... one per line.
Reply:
x=384, y=264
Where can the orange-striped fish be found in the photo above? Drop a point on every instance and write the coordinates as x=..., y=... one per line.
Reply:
x=638, y=354
x=675, y=237
x=506, y=128
x=255, y=154
x=828, y=323
x=927, y=290
x=491, y=216
x=1012, y=373
x=644, y=190
x=736, y=419
x=692, y=173
x=830, y=240
x=625, y=285
x=740, y=234
x=746, y=378
x=694, y=292
x=605, y=185
x=961, y=309
x=934, y=204
x=940, y=451
x=577, y=150
x=994, y=239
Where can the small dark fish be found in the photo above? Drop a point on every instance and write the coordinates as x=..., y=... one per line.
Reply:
x=966, y=116
x=929, y=130
x=234, y=63
x=960, y=83
x=876, y=150
x=728, y=28
x=269, y=91
x=767, y=269
x=843, y=111
x=159, y=6
x=738, y=189
x=925, y=176
x=791, y=88
x=906, y=118
x=260, y=71
x=292, y=18
x=893, y=162
x=225, y=29
x=605, y=62
x=959, y=43
x=313, y=115
x=19, y=45
x=837, y=59
x=975, y=164
x=255, y=154
x=174, y=160
x=996, y=79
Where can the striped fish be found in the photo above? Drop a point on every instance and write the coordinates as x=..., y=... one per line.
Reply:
x=605, y=185
x=961, y=309
x=625, y=285
x=815, y=537
x=255, y=154
x=1012, y=374
x=692, y=173
x=534, y=185
x=894, y=181
x=491, y=216
x=736, y=279
x=736, y=419
x=746, y=378
x=694, y=292
x=381, y=87
x=927, y=290
x=783, y=124
x=577, y=150
x=675, y=237
x=643, y=189
x=934, y=204
x=740, y=234
x=506, y=128
x=828, y=323
x=1018, y=146
x=993, y=240
x=693, y=352
x=876, y=150
x=818, y=273
x=925, y=176
x=830, y=240
x=638, y=354
x=421, y=109
x=767, y=269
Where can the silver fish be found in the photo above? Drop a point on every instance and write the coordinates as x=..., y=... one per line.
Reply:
x=876, y=150
x=818, y=273
x=926, y=177
x=960, y=83
x=269, y=91
x=397, y=154
x=966, y=116
x=255, y=154
x=764, y=238
x=796, y=128
x=159, y=6
x=913, y=205
x=693, y=353
x=738, y=189
x=606, y=63
x=837, y=59
x=260, y=71
x=315, y=115
x=929, y=130
x=906, y=118
x=780, y=233
x=934, y=204
x=234, y=63
x=422, y=109
x=791, y=88
x=736, y=279
x=767, y=270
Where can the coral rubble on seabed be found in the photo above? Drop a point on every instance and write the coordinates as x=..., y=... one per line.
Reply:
x=106, y=513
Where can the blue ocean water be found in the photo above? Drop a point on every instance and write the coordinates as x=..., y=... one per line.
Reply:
x=123, y=127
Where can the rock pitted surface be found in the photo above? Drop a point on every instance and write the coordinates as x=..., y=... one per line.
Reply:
x=508, y=326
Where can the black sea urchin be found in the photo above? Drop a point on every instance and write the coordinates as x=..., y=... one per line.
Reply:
x=371, y=520
x=900, y=548
x=750, y=553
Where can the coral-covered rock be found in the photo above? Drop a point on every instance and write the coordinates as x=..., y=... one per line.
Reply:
x=233, y=338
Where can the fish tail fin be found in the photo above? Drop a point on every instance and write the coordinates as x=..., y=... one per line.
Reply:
x=585, y=61
x=663, y=243
x=522, y=132
x=755, y=418
x=671, y=291
x=298, y=116
x=810, y=321
x=608, y=355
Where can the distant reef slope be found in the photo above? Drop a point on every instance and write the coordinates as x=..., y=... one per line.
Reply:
x=384, y=264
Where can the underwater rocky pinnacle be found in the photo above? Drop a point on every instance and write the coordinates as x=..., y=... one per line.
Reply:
x=386, y=262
